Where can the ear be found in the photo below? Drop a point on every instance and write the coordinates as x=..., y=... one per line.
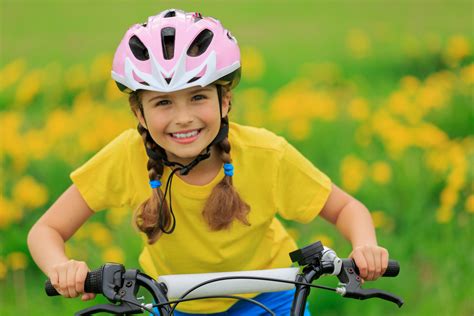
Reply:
x=226, y=102
x=139, y=116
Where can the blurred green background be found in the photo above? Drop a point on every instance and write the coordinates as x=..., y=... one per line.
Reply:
x=378, y=94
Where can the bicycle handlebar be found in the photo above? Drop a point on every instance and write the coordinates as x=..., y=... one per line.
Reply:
x=120, y=285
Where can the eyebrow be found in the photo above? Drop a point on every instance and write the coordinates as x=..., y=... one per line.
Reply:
x=165, y=96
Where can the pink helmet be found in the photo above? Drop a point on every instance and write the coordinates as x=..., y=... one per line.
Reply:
x=175, y=50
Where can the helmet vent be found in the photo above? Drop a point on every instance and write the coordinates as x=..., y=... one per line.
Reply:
x=170, y=14
x=167, y=42
x=138, y=48
x=200, y=43
x=229, y=36
x=194, y=79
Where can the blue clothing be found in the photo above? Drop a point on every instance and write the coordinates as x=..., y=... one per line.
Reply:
x=277, y=302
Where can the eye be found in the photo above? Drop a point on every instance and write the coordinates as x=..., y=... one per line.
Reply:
x=198, y=97
x=163, y=102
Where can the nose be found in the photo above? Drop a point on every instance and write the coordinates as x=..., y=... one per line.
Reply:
x=183, y=116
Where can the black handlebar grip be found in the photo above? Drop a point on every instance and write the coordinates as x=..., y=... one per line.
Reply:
x=393, y=269
x=49, y=289
x=92, y=284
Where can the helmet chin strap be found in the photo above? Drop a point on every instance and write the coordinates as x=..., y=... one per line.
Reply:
x=185, y=169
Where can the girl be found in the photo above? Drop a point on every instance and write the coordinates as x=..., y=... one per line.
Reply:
x=206, y=190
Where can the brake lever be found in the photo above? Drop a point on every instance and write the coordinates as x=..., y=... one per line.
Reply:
x=363, y=294
x=351, y=286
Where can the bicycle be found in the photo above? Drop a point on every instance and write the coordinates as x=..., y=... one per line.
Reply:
x=120, y=286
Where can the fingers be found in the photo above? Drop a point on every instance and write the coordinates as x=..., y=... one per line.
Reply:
x=80, y=277
x=87, y=296
x=360, y=262
x=384, y=260
x=372, y=261
x=68, y=278
x=71, y=280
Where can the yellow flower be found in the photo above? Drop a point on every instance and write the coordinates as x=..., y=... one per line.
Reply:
x=286, y=102
x=359, y=109
x=353, y=172
x=101, y=67
x=29, y=193
x=467, y=74
x=399, y=103
x=444, y=215
x=358, y=43
x=470, y=203
x=112, y=92
x=10, y=123
x=58, y=124
x=9, y=213
x=3, y=270
x=393, y=134
x=11, y=73
x=28, y=88
x=299, y=129
x=437, y=160
x=17, y=261
x=379, y=218
x=428, y=136
x=457, y=177
x=430, y=97
x=449, y=197
x=99, y=234
x=84, y=106
x=251, y=102
x=113, y=254
x=410, y=84
x=76, y=77
x=457, y=49
x=36, y=144
x=116, y=216
x=252, y=63
x=324, y=239
x=381, y=172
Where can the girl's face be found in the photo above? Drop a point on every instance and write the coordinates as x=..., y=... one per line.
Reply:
x=184, y=122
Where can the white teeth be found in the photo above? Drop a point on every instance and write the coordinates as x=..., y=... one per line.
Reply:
x=185, y=135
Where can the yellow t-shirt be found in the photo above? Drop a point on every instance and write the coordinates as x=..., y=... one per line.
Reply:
x=270, y=175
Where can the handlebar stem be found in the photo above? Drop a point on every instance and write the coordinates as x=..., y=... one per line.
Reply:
x=310, y=273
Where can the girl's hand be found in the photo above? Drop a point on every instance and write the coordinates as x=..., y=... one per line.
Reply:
x=372, y=261
x=68, y=279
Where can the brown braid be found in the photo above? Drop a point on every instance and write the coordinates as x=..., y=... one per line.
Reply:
x=148, y=216
x=224, y=204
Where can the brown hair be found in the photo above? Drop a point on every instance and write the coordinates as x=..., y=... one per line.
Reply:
x=221, y=208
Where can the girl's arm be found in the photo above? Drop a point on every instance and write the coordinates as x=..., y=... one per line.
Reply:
x=354, y=222
x=46, y=242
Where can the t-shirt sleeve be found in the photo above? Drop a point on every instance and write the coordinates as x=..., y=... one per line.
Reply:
x=103, y=180
x=301, y=189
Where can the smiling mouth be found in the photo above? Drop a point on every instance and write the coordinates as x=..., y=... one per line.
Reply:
x=186, y=134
